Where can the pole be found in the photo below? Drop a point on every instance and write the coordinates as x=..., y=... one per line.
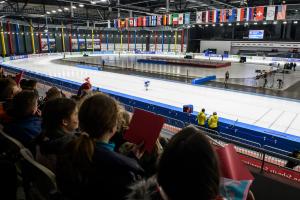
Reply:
x=3, y=42
x=17, y=39
x=10, y=44
x=175, y=49
x=162, y=41
x=32, y=38
x=63, y=38
x=93, y=45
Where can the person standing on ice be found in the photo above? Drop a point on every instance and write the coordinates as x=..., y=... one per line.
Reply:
x=146, y=83
x=226, y=78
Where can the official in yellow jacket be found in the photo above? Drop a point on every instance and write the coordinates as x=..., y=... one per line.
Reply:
x=201, y=117
x=213, y=121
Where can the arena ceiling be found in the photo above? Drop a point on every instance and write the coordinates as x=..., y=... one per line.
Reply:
x=99, y=11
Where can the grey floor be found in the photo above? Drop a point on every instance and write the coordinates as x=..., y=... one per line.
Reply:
x=242, y=76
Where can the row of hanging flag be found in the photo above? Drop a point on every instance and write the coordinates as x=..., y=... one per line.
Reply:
x=154, y=20
x=258, y=13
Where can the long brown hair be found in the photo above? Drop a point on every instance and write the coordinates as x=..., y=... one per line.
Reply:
x=97, y=115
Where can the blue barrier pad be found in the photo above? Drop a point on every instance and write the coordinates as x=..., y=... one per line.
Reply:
x=89, y=67
x=152, y=61
x=200, y=81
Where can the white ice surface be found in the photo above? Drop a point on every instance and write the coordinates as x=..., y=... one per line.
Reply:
x=273, y=113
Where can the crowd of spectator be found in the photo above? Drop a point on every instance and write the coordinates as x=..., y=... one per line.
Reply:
x=80, y=138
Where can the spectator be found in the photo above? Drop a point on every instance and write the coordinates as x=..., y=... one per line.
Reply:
x=201, y=118
x=25, y=126
x=188, y=159
x=52, y=93
x=123, y=124
x=85, y=88
x=90, y=167
x=28, y=84
x=60, y=120
x=2, y=75
x=8, y=89
x=213, y=122
x=226, y=78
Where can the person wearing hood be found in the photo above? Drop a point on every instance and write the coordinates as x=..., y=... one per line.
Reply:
x=213, y=121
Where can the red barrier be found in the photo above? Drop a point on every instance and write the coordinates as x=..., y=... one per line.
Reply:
x=271, y=168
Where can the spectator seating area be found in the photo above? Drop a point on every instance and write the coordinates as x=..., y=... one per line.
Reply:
x=39, y=182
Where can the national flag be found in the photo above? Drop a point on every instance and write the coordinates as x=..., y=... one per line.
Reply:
x=187, y=18
x=116, y=23
x=159, y=20
x=131, y=22
x=281, y=12
x=165, y=20
x=122, y=23
x=170, y=19
x=206, y=16
x=139, y=21
x=126, y=22
x=199, y=17
x=250, y=14
x=154, y=20
x=119, y=23
x=144, y=21
x=270, y=13
x=240, y=14
x=231, y=15
x=217, y=16
x=224, y=15
x=148, y=20
x=175, y=19
x=214, y=16
x=180, y=18
x=259, y=14
x=135, y=19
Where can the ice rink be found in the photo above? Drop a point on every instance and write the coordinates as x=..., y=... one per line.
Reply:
x=263, y=111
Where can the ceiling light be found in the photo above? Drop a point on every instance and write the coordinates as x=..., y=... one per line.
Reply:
x=65, y=8
x=81, y=5
x=221, y=24
x=59, y=10
x=255, y=23
x=103, y=0
x=93, y=2
x=206, y=25
x=238, y=24
x=275, y=22
x=295, y=22
x=74, y=7
x=284, y=22
x=2, y=2
x=53, y=11
x=213, y=25
x=48, y=13
x=264, y=23
x=229, y=24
